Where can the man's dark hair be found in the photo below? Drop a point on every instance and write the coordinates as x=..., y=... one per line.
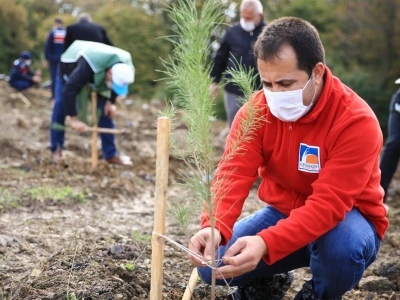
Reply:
x=58, y=21
x=295, y=32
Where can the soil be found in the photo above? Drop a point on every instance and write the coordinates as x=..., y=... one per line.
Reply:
x=70, y=232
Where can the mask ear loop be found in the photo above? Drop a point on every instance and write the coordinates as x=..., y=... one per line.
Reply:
x=315, y=91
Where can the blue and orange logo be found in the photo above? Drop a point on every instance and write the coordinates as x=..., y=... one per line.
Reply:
x=309, y=158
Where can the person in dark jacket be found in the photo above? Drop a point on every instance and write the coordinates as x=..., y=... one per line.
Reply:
x=236, y=47
x=391, y=153
x=21, y=75
x=86, y=30
x=53, y=49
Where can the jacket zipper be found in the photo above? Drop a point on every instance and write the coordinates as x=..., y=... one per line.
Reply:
x=290, y=127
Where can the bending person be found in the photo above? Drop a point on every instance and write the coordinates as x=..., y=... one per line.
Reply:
x=89, y=66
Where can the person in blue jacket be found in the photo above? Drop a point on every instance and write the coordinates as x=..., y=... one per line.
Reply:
x=236, y=47
x=21, y=75
x=53, y=49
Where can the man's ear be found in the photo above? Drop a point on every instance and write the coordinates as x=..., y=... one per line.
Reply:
x=319, y=72
x=108, y=74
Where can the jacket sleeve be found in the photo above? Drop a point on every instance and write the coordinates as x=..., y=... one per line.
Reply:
x=68, y=38
x=48, y=46
x=221, y=58
x=237, y=170
x=106, y=39
x=79, y=77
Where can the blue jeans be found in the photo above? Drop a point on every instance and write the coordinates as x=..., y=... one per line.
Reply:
x=337, y=259
x=57, y=137
x=391, y=153
x=53, y=67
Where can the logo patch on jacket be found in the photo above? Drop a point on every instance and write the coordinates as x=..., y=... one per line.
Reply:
x=309, y=159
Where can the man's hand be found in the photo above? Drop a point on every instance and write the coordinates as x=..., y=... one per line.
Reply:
x=213, y=89
x=200, y=243
x=36, y=79
x=78, y=125
x=109, y=110
x=242, y=257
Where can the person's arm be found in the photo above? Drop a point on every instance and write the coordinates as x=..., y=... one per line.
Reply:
x=106, y=39
x=238, y=168
x=79, y=77
x=221, y=58
x=68, y=38
x=19, y=74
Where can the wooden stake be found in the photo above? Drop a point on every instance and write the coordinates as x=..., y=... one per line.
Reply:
x=22, y=98
x=94, y=132
x=108, y=130
x=191, y=285
x=157, y=243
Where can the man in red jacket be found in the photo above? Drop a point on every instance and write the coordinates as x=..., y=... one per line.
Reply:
x=315, y=143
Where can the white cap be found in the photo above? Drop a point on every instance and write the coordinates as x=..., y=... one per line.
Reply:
x=122, y=75
x=397, y=81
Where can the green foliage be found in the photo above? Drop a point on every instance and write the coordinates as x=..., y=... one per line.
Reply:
x=62, y=194
x=13, y=33
x=130, y=266
x=131, y=29
x=71, y=296
x=139, y=237
x=367, y=86
x=7, y=200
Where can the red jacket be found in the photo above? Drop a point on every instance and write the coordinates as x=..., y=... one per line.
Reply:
x=313, y=170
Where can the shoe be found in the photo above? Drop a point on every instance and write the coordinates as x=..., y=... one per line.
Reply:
x=120, y=160
x=307, y=293
x=265, y=288
x=57, y=156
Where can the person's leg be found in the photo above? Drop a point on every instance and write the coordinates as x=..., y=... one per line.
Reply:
x=391, y=153
x=250, y=226
x=340, y=257
x=232, y=105
x=107, y=140
x=21, y=84
x=57, y=117
x=53, y=73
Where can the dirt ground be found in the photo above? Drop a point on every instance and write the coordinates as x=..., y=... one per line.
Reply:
x=70, y=232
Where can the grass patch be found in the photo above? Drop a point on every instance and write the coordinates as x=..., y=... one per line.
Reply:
x=140, y=237
x=7, y=200
x=62, y=194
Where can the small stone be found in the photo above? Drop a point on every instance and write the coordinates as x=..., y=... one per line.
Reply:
x=375, y=284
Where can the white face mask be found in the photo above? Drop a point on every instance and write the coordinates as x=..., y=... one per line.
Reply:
x=247, y=26
x=288, y=106
x=109, y=84
x=28, y=62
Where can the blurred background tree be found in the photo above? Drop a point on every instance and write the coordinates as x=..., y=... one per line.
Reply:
x=361, y=38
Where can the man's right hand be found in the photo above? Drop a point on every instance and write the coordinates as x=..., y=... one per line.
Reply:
x=201, y=244
x=213, y=89
x=36, y=79
x=78, y=125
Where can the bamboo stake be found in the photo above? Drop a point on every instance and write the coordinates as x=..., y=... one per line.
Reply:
x=108, y=130
x=22, y=98
x=157, y=243
x=191, y=285
x=94, y=133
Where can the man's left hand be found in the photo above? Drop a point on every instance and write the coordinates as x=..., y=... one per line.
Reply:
x=109, y=110
x=242, y=257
